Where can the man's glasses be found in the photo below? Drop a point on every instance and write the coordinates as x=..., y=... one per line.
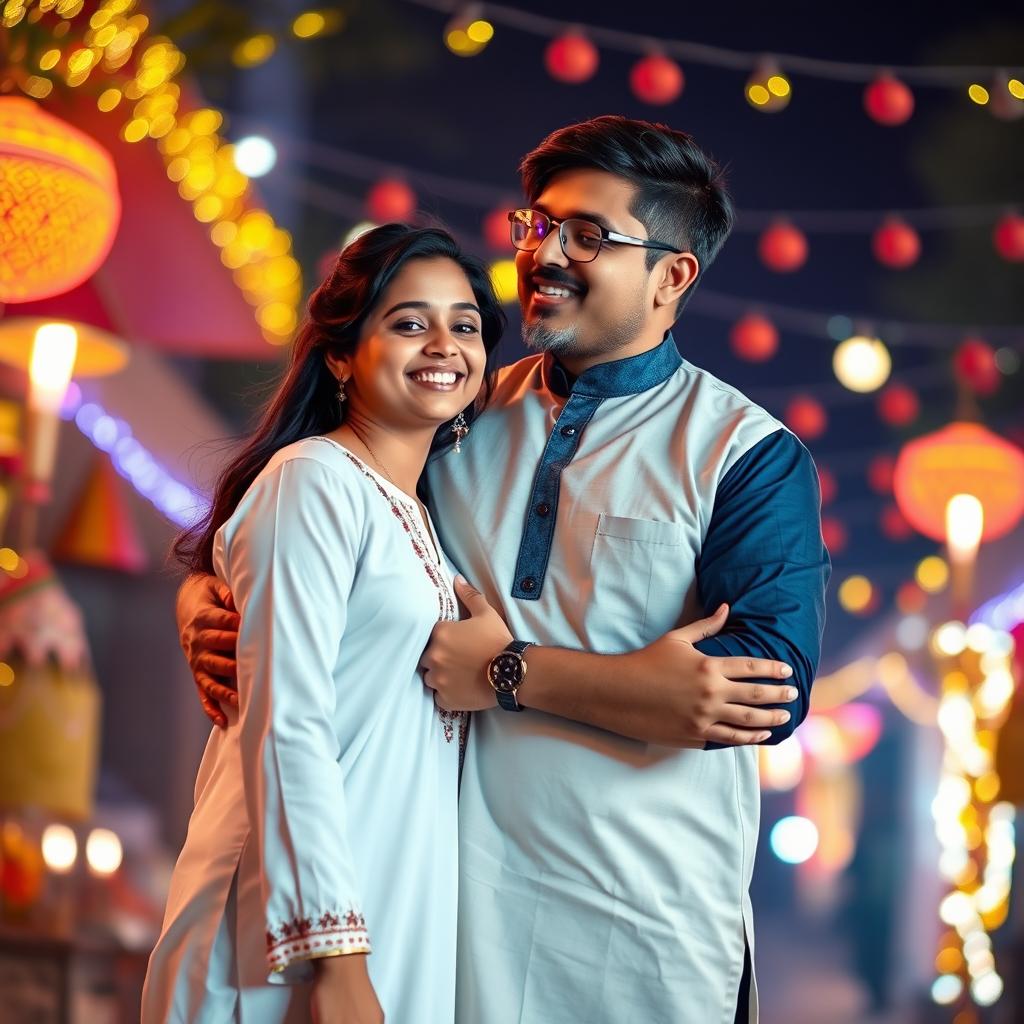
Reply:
x=581, y=240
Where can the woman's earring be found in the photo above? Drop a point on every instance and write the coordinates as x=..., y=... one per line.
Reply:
x=341, y=392
x=461, y=429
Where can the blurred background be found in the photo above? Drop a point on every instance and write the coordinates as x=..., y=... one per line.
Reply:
x=174, y=179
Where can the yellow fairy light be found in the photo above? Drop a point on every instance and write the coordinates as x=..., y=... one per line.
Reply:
x=855, y=594
x=1016, y=87
x=254, y=50
x=70, y=8
x=758, y=95
x=778, y=85
x=932, y=574
x=309, y=24
x=8, y=559
x=862, y=364
x=49, y=60
x=108, y=99
x=223, y=233
x=135, y=130
x=208, y=208
x=37, y=87
x=986, y=789
x=480, y=31
x=6, y=674
x=978, y=93
x=105, y=36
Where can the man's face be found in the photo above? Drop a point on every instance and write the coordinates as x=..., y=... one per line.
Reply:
x=608, y=304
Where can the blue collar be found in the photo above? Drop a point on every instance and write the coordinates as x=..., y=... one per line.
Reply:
x=629, y=376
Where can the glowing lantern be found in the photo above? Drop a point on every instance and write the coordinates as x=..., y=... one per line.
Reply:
x=976, y=365
x=782, y=247
x=496, y=230
x=656, y=79
x=58, y=202
x=963, y=458
x=896, y=244
x=754, y=338
x=898, y=405
x=826, y=485
x=1009, y=237
x=833, y=534
x=861, y=364
x=806, y=417
x=888, y=101
x=571, y=58
x=880, y=471
x=768, y=89
x=390, y=200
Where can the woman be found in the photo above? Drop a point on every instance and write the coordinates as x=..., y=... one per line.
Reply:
x=325, y=815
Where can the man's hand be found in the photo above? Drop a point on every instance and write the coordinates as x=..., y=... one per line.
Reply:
x=710, y=703
x=454, y=665
x=208, y=631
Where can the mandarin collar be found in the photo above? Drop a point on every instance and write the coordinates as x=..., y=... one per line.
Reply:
x=618, y=378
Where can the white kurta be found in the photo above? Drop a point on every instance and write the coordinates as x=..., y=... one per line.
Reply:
x=325, y=815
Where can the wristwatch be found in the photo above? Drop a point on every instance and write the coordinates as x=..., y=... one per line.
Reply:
x=506, y=673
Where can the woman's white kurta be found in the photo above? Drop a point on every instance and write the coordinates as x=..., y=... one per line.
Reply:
x=325, y=814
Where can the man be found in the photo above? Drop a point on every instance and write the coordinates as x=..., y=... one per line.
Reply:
x=610, y=492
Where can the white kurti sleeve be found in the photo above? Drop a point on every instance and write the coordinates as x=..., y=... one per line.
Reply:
x=291, y=561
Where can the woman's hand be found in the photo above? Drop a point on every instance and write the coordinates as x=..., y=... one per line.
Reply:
x=343, y=992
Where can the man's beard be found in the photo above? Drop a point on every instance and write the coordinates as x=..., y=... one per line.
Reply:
x=566, y=341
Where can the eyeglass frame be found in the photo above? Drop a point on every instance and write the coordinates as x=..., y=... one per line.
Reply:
x=607, y=235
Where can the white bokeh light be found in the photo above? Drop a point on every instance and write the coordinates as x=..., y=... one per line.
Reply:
x=255, y=156
x=794, y=839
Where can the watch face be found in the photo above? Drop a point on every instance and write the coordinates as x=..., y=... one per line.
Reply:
x=506, y=672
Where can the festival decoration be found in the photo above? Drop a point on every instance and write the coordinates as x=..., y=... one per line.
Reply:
x=896, y=244
x=806, y=417
x=862, y=364
x=880, y=473
x=888, y=101
x=898, y=405
x=768, y=89
x=754, y=338
x=656, y=79
x=1008, y=237
x=60, y=207
x=390, y=200
x=467, y=35
x=783, y=247
x=960, y=458
x=975, y=365
x=833, y=534
x=571, y=58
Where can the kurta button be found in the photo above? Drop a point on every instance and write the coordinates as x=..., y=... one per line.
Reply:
x=529, y=584
x=568, y=431
x=543, y=508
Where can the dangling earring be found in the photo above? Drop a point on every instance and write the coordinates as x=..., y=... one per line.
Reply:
x=461, y=430
x=342, y=397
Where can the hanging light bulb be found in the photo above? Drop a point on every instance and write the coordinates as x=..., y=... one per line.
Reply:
x=768, y=89
x=862, y=364
x=467, y=33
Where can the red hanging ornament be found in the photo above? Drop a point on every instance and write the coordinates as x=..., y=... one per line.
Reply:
x=896, y=244
x=806, y=417
x=754, y=338
x=1009, y=237
x=656, y=79
x=827, y=485
x=782, y=247
x=894, y=526
x=496, y=230
x=833, y=533
x=888, y=101
x=880, y=471
x=390, y=200
x=975, y=364
x=571, y=58
x=898, y=405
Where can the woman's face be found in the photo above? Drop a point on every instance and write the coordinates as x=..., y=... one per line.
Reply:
x=420, y=359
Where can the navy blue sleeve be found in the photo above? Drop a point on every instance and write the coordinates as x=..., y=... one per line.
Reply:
x=764, y=556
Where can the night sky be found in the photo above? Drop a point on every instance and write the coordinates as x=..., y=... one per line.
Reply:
x=386, y=88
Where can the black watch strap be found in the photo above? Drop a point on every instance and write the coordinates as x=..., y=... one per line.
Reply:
x=509, y=701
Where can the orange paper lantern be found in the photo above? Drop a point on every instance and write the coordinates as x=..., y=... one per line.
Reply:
x=782, y=247
x=59, y=204
x=963, y=458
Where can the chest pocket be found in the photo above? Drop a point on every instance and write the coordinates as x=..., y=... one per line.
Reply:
x=640, y=577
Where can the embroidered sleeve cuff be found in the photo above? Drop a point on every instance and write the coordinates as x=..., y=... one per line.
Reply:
x=302, y=938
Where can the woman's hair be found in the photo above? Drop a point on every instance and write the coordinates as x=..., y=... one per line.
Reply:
x=306, y=402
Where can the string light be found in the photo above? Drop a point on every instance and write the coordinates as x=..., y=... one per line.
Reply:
x=862, y=364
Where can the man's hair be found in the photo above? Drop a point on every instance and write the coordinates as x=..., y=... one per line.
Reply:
x=680, y=198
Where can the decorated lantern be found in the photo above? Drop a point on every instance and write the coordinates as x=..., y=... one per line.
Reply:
x=888, y=101
x=390, y=200
x=571, y=58
x=962, y=458
x=60, y=208
x=783, y=247
x=754, y=338
x=656, y=79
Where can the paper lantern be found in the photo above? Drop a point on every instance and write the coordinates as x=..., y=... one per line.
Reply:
x=98, y=354
x=962, y=458
x=496, y=230
x=754, y=338
x=59, y=203
x=571, y=58
x=880, y=471
x=898, y=405
x=975, y=364
x=806, y=417
x=888, y=101
x=896, y=244
x=656, y=79
x=782, y=247
x=1009, y=237
x=390, y=200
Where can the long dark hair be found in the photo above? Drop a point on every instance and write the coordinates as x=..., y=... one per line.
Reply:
x=305, y=403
